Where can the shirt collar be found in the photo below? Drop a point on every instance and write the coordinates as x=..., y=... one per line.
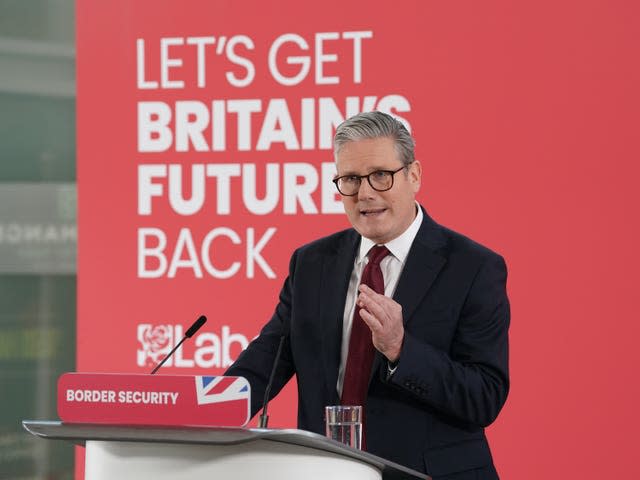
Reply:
x=399, y=246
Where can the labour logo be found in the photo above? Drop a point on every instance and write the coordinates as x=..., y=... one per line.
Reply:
x=156, y=342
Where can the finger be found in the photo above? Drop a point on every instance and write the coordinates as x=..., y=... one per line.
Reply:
x=378, y=307
x=374, y=296
x=370, y=296
x=370, y=320
x=367, y=289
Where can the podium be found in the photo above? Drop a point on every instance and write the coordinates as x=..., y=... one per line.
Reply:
x=162, y=453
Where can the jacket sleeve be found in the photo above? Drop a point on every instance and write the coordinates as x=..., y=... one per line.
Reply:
x=469, y=382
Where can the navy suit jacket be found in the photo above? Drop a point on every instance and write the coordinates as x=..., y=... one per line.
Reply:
x=452, y=376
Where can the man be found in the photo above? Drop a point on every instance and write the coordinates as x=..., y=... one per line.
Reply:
x=423, y=348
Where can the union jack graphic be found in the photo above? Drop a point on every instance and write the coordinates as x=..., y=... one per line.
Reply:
x=221, y=389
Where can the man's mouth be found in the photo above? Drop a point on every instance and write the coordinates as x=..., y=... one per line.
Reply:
x=372, y=212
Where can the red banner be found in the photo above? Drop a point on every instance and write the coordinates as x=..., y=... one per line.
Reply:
x=179, y=400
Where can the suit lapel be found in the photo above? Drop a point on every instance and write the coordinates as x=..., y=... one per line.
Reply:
x=336, y=271
x=420, y=271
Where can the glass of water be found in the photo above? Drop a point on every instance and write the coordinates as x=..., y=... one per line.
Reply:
x=344, y=424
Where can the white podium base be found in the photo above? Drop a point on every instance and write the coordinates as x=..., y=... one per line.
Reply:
x=106, y=460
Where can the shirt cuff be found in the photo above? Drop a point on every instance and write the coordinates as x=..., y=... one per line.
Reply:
x=391, y=368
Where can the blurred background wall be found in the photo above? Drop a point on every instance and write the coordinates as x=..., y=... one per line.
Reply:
x=37, y=228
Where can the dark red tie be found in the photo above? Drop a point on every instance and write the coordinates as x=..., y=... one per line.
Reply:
x=361, y=349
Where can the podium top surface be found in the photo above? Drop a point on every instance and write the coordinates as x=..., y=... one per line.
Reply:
x=79, y=433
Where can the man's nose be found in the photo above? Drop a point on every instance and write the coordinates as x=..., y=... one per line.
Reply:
x=365, y=191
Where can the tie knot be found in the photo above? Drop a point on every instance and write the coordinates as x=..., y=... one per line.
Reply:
x=377, y=253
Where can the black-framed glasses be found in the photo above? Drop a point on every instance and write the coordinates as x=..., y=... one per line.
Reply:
x=380, y=181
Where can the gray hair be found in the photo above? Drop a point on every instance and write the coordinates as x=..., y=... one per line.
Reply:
x=369, y=125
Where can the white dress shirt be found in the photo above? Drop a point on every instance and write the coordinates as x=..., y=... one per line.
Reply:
x=391, y=267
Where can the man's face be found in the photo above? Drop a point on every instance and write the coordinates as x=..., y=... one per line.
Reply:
x=379, y=216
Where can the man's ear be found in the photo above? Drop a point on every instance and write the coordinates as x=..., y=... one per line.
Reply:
x=415, y=175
